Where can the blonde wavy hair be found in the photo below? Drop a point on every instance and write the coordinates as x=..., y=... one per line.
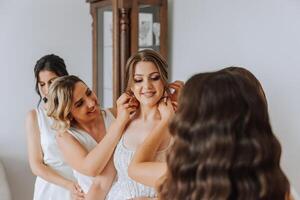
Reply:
x=60, y=101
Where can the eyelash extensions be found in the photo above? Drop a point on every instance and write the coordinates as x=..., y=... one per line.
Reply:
x=154, y=78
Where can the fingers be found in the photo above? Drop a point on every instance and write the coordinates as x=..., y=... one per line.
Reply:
x=132, y=110
x=126, y=105
x=167, y=104
x=78, y=188
x=175, y=105
x=124, y=98
x=78, y=198
x=164, y=104
x=129, y=92
x=77, y=192
x=170, y=104
x=78, y=195
x=133, y=102
x=176, y=85
x=165, y=100
x=130, y=105
x=127, y=100
x=164, y=97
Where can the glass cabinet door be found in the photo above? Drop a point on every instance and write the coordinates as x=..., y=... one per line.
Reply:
x=149, y=27
x=120, y=28
x=105, y=56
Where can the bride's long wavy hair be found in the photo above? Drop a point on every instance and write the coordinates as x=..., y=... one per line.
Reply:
x=224, y=146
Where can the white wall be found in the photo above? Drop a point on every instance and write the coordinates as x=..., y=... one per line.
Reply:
x=30, y=29
x=261, y=35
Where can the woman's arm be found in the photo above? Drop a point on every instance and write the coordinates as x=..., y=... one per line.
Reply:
x=102, y=183
x=143, y=168
x=35, y=156
x=92, y=163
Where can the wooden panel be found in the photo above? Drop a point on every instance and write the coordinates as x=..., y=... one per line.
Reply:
x=124, y=44
x=164, y=29
x=150, y=2
x=125, y=36
x=116, y=52
x=134, y=27
x=125, y=4
x=93, y=12
x=91, y=1
x=101, y=3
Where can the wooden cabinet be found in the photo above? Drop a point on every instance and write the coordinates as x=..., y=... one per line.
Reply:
x=120, y=28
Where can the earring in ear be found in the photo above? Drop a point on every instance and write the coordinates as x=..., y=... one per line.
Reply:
x=70, y=117
x=45, y=99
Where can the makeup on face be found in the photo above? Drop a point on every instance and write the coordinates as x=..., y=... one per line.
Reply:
x=147, y=84
x=45, y=80
x=85, y=106
x=139, y=78
x=78, y=103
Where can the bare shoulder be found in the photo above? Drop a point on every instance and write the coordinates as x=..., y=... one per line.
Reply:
x=65, y=138
x=31, y=124
x=31, y=118
x=63, y=135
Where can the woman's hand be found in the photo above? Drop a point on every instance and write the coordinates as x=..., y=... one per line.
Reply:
x=177, y=87
x=125, y=107
x=166, y=110
x=76, y=191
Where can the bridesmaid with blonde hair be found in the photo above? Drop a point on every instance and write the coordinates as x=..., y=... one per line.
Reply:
x=86, y=134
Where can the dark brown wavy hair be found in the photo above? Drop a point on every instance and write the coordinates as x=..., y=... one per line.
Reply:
x=240, y=71
x=224, y=147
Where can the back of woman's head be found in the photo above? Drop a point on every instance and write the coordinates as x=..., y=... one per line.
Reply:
x=60, y=101
x=224, y=147
x=240, y=71
x=52, y=63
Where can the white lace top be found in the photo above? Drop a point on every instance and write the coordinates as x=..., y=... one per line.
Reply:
x=125, y=187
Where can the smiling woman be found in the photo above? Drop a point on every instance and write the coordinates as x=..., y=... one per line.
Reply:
x=146, y=76
x=146, y=83
x=86, y=135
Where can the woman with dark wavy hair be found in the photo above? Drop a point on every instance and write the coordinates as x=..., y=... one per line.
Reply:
x=240, y=71
x=224, y=147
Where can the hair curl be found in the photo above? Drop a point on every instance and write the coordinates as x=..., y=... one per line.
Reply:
x=61, y=100
x=240, y=71
x=224, y=147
